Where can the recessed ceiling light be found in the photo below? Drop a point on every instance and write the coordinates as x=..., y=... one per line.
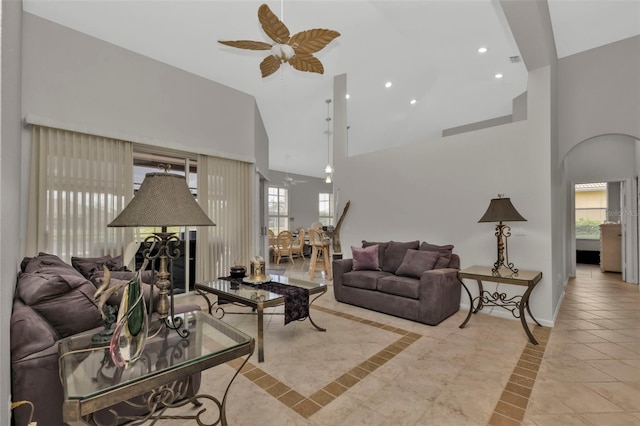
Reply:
x=413, y=102
x=498, y=76
x=482, y=50
x=347, y=96
x=387, y=84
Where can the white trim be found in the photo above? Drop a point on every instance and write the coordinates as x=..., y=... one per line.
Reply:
x=31, y=119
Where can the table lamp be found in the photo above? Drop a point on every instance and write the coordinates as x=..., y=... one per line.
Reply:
x=163, y=200
x=501, y=210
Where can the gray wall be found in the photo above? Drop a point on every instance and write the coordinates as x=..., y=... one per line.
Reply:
x=303, y=197
x=10, y=177
x=80, y=81
x=598, y=93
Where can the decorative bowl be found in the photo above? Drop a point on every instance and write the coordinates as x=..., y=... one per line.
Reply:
x=238, y=272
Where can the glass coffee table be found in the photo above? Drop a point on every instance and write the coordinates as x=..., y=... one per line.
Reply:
x=162, y=376
x=255, y=297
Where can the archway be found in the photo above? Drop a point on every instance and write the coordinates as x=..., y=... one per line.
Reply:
x=607, y=158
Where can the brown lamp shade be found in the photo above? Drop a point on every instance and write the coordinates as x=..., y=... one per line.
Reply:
x=501, y=210
x=164, y=199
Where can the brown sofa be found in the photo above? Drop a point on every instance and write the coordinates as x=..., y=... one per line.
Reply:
x=54, y=300
x=417, y=286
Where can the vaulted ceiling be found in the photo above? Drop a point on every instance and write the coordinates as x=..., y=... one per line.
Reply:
x=427, y=50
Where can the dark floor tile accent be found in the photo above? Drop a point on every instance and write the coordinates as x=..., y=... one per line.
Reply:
x=335, y=389
x=306, y=408
x=278, y=389
x=291, y=398
x=322, y=397
x=500, y=420
x=513, y=402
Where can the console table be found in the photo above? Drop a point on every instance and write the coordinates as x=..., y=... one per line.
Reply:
x=516, y=304
x=162, y=376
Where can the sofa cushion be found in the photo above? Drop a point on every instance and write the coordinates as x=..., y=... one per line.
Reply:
x=399, y=286
x=382, y=247
x=65, y=301
x=363, y=279
x=30, y=332
x=394, y=254
x=416, y=262
x=446, y=252
x=49, y=264
x=365, y=259
x=90, y=266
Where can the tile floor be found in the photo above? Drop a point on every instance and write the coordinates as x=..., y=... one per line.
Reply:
x=374, y=369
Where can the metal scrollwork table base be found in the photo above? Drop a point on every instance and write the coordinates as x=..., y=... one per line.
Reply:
x=516, y=304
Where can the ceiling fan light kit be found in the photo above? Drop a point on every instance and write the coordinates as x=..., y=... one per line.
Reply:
x=297, y=50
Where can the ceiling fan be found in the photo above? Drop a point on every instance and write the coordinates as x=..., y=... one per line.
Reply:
x=289, y=181
x=297, y=50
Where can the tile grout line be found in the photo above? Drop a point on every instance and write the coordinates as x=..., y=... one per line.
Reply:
x=512, y=405
x=307, y=406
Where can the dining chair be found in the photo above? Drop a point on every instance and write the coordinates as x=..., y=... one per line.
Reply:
x=298, y=245
x=284, y=242
x=272, y=245
x=320, y=252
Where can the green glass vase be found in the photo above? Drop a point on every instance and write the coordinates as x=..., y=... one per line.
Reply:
x=130, y=334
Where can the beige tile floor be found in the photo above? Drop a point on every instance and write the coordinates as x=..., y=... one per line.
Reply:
x=373, y=369
x=590, y=373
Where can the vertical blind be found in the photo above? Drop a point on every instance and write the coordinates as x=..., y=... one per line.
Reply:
x=224, y=192
x=78, y=184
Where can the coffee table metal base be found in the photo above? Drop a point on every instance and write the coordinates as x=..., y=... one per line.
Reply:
x=216, y=309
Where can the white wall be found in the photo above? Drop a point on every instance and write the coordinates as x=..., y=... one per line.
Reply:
x=10, y=153
x=601, y=159
x=437, y=190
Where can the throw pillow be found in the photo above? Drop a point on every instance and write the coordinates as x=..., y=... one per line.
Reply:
x=90, y=267
x=382, y=247
x=446, y=252
x=416, y=262
x=394, y=255
x=365, y=259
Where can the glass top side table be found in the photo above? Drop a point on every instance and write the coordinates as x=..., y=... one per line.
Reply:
x=91, y=381
x=516, y=304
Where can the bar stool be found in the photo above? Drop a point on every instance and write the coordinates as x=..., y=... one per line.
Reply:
x=319, y=252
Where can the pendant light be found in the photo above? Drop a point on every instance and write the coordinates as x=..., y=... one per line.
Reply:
x=328, y=170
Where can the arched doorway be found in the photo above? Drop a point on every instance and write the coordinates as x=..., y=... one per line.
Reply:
x=607, y=158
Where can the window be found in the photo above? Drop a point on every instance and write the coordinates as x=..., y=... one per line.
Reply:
x=591, y=209
x=278, y=204
x=325, y=208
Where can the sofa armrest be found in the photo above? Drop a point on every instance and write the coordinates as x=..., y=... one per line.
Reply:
x=340, y=267
x=439, y=295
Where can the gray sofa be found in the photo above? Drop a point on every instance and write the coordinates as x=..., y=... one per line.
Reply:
x=407, y=283
x=54, y=300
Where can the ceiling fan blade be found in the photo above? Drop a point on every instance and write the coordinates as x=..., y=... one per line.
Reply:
x=272, y=26
x=307, y=63
x=269, y=65
x=311, y=41
x=246, y=44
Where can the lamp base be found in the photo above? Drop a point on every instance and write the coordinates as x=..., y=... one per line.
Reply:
x=503, y=232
